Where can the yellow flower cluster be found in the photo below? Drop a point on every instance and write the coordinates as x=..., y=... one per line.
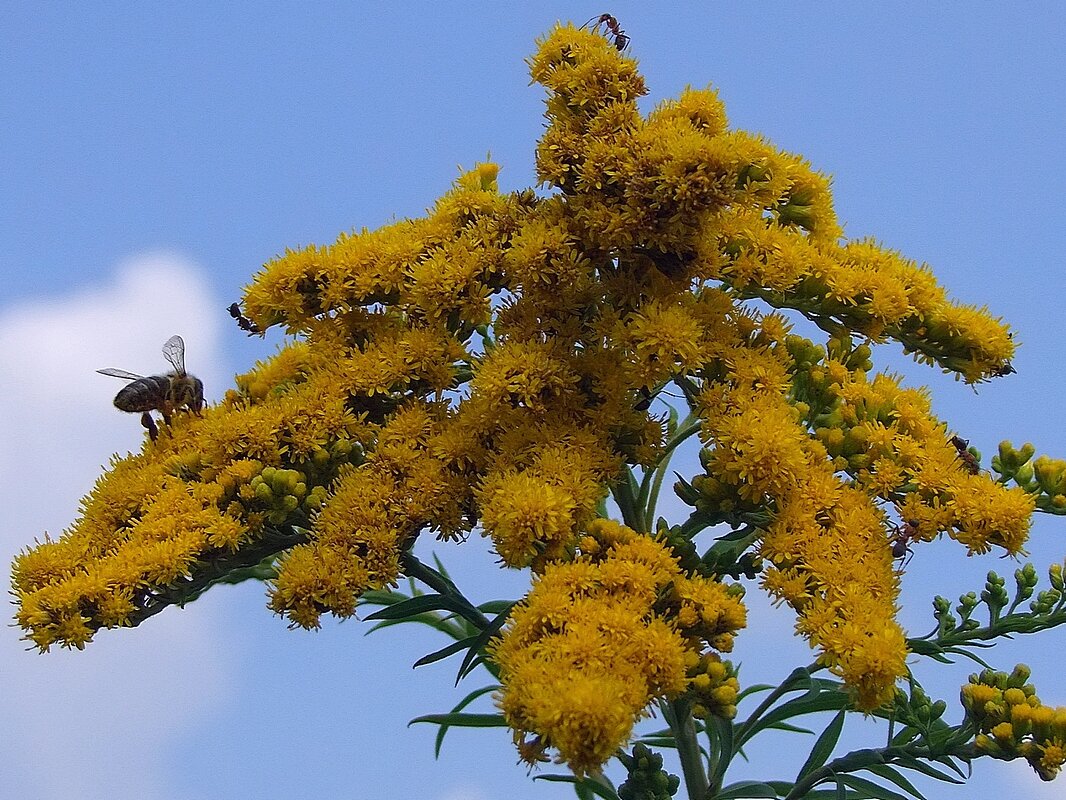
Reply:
x=491, y=365
x=828, y=554
x=1012, y=722
x=599, y=638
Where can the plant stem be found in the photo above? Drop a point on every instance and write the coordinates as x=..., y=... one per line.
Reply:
x=414, y=568
x=678, y=714
x=872, y=757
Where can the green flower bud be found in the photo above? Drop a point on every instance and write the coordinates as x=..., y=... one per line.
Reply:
x=1055, y=574
x=1023, y=476
x=1019, y=675
x=1050, y=474
x=686, y=491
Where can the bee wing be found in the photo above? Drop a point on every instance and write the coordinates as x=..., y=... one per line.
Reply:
x=120, y=373
x=174, y=352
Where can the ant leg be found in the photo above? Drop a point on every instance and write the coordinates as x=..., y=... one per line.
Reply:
x=149, y=423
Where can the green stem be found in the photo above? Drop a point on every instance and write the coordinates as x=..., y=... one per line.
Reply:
x=678, y=714
x=872, y=757
x=414, y=568
x=648, y=496
x=244, y=563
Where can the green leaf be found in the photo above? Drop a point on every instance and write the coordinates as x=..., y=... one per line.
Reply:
x=471, y=661
x=495, y=606
x=893, y=775
x=788, y=728
x=814, y=701
x=463, y=720
x=446, y=626
x=823, y=748
x=418, y=605
x=754, y=689
x=470, y=698
x=950, y=764
x=441, y=569
x=839, y=793
x=909, y=762
x=746, y=789
x=873, y=790
x=444, y=652
x=659, y=741
x=587, y=784
x=381, y=597
x=720, y=733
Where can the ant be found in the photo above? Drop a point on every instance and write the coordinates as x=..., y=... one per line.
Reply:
x=621, y=41
x=243, y=322
x=902, y=537
x=969, y=460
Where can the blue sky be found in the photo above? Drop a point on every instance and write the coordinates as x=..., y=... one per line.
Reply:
x=154, y=156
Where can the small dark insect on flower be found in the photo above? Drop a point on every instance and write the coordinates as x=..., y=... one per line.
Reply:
x=1004, y=369
x=901, y=538
x=612, y=28
x=968, y=459
x=243, y=322
x=163, y=393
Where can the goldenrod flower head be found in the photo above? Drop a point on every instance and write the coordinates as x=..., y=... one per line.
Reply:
x=524, y=515
x=590, y=627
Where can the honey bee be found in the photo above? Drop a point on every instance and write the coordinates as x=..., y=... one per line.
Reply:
x=163, y=393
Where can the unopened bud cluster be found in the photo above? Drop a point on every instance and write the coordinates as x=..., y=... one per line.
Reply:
x=647, y=780
x=1043, y=477
x=1012, y=722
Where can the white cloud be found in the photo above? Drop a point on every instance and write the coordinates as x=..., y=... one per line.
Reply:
x=95, y=723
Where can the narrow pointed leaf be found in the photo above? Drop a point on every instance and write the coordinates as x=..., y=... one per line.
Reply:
x=754, y=689
x=444, y=652
x=597, y=789
x=747, y=789
x=416, y=605
x=463, y=720
x=482, y=639
x=917, y=765
x=893, y=775
x=788, y=728
x=823, y=748
x=808, y=704
x=869, y=788
x=470, y=698
x=495, y=606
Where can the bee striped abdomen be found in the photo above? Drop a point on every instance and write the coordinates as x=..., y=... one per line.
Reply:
x=144, y=394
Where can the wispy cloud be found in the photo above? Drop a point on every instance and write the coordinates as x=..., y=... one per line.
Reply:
x=96, y=723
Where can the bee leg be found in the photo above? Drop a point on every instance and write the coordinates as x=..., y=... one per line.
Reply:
x=149, y=423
